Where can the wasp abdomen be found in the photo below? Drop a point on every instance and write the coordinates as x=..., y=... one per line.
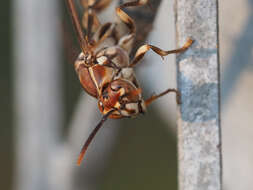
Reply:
x=101, y=76
x=86, y=81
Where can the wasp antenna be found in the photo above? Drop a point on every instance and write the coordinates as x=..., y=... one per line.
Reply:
x=73, y=13
x=92, y=135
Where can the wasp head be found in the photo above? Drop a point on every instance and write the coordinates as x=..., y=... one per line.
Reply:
x=123, y=97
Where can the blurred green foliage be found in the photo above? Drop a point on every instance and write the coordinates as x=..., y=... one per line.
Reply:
x=145, y=157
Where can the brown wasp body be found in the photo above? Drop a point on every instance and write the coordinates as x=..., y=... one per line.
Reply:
x=112, y=82
x=105, y=71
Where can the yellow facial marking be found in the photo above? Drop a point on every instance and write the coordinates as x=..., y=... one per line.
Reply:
x=117, y=105
x=121, y=91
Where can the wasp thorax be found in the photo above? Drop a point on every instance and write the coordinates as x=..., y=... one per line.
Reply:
x=115, y=56
x=123, y=97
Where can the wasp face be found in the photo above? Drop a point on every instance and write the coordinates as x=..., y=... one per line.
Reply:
x=123, y=97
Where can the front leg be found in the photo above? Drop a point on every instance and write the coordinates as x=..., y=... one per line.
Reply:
x=143, y=50
x=127, y=40
x=154, y=97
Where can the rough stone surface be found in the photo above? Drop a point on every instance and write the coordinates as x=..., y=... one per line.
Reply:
x=198, y=80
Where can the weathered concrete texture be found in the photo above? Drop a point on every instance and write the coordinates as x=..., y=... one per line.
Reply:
x=198, y=81
x=199, y=150
x=199, y=101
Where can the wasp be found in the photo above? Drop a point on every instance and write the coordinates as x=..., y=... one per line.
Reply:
x=105, y=70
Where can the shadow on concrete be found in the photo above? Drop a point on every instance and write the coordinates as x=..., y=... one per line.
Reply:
x=240, y=60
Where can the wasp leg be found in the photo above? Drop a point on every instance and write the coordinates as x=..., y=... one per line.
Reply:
x=90, y=22
x=105, y=31
x=143, y=49
x=96, y=33
x=154, y=97
x=127, y=19
x=126, y=41
x=97, y=5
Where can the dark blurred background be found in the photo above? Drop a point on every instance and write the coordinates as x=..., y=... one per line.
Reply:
x=6, y=130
